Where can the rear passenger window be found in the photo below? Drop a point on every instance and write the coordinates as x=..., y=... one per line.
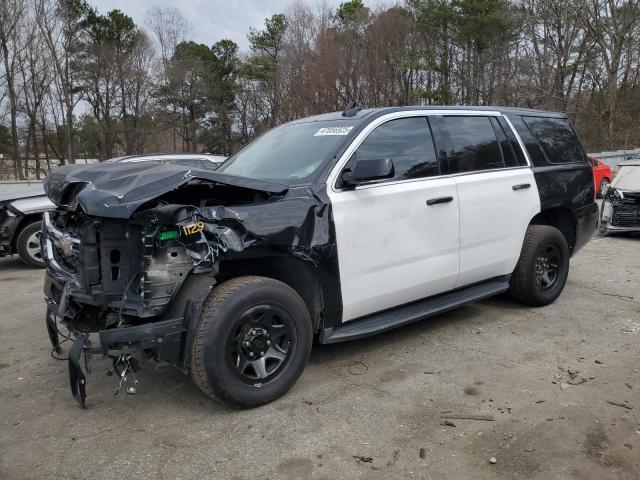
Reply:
x=406, y=141
x=517, y=149
x=557, y=139
x=472, y=144
x=508, y=154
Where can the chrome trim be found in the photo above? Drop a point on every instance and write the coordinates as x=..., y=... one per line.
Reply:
x=52, y=235
x=332, y=179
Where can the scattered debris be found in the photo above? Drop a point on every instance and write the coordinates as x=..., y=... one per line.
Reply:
x=394, y=458
x=599, y=362
x=631, y=328
x=530, y=450
x=540, y=401
x=577, y=381
x=487, y=418
x=620, y=404
x=493, y=460
x=356, y=367
x=447, y=423
x=628, y=385
x=423, y=453
x=361, y=459
x=564, y=386
x=628, y=445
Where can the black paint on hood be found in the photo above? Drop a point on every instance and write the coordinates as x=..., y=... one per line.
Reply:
x=116, y=190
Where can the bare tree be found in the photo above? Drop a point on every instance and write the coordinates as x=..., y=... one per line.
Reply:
x=60, y=23
x=613, y=25
x=169, y=28
x=11, y=16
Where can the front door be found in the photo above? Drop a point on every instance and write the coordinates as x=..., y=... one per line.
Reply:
x=397, y=239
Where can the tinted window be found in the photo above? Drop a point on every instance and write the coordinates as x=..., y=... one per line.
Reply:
x=508, y=154
x=406, y=141
x=533, y=148
x=557, y=139
x=472, y=144
x=517, y=149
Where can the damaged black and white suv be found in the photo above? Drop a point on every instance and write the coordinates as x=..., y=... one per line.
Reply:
x=341, y=225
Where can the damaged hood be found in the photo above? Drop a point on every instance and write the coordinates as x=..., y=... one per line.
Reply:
x=117, y=190
x=628, y=177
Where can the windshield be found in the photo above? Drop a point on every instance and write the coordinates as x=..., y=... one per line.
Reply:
x=289, y=153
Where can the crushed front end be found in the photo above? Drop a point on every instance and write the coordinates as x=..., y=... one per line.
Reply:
x=116, y=287
x=620, y=211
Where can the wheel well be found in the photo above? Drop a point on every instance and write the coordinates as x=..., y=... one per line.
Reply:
x=26, y=220
x=295, y=273
x=561, y=218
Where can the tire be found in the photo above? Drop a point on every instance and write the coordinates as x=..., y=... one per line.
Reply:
x=528, y=284
x=604, y=184
x=238, y=313
x=28, y=245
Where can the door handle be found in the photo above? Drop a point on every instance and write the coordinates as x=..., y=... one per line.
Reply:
x=521, y=186
x=437, y=200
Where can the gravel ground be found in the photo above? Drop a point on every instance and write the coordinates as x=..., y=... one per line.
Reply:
x=366, y=409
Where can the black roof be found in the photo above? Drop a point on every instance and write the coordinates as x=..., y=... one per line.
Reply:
x=368, y=114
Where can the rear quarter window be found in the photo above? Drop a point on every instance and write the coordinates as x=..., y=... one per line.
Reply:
x=557, y=139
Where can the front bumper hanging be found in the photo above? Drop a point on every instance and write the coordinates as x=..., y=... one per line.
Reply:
x=165, y=337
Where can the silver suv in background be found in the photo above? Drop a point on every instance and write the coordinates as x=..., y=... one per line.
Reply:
x=21, y=212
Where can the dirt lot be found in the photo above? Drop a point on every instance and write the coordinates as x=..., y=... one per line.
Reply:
x=363, y=409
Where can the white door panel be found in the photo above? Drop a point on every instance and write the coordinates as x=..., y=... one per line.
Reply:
x=392, y=247
x=493, y=221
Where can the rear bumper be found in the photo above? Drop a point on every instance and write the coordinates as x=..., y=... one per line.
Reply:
x=586, y=224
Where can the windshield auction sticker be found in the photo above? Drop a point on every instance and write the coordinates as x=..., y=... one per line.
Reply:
x=333, y=131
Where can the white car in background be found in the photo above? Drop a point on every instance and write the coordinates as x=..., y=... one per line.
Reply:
x=21, y=212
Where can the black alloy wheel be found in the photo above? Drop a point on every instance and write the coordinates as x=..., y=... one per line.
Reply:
x=262, y=344
x=252, y=341
x=547, y=266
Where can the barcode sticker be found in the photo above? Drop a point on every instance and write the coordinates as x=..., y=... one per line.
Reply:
x=333, y=131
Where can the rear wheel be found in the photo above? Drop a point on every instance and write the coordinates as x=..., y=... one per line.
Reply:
x=252, y=342
x=28, y=245
x=543, y=267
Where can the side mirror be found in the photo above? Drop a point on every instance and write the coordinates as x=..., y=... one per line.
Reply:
x=365, y=171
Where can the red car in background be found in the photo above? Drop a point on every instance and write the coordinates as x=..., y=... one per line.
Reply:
x=602, y=175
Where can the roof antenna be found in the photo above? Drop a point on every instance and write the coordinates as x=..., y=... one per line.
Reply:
x=351, y=109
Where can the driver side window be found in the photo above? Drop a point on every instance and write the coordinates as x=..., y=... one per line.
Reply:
x=406, y=141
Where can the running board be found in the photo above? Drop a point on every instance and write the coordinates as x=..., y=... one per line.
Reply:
x=412, y=312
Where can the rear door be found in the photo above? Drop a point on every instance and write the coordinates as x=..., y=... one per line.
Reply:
x=397, y=239
x=496, y=190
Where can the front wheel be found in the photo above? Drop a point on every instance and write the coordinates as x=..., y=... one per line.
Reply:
x=252, y=341
x=542, y=268
x=28, y=245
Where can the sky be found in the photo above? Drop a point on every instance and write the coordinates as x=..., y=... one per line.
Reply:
x=211, y=20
